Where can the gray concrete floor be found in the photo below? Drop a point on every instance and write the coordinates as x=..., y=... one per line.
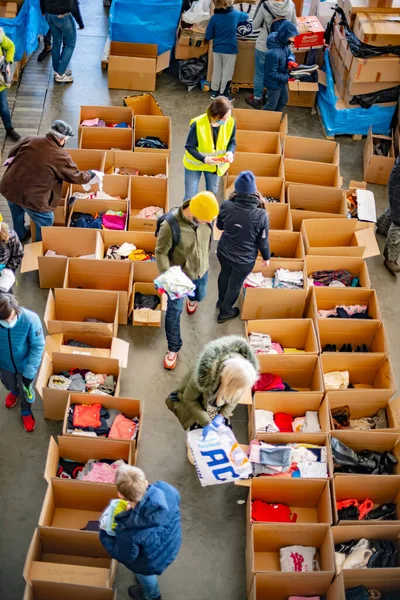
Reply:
x=211, y=563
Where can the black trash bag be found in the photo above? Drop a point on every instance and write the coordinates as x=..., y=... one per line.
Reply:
x=193, y=71
x=382, y=97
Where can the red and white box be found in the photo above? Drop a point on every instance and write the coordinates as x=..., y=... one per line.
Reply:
x=311, y=33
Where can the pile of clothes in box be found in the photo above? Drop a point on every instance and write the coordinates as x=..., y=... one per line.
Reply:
x=262, y=344
x=288, y=460
x=298, y=559
x=146, y=301
x=283, y=279
x=150, y=212
x=345, y=348
x=83, y=380
x=100, y=123
x=352, y=510
x=341, y=417
x=366, y=462
x=266, y=512
x=135, y=172
x=353, y=311
x=128, y=251
x=268, y=382
x=110, y=220
x=268, y=422
x=51, y=253
x=340, y=278
x=366, y=554
x=151, y=141
x=99, y=471
x=95, y=420
x=340, y=380
x=360, y=592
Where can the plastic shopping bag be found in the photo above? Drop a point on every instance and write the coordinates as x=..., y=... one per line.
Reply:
x=199, y=11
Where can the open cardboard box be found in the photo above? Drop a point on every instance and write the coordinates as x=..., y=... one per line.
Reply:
x=333, y=237
x=279, y=216
x=135, y=66
x=358, y=441
x=55, y=401
x=87, y=160
x=383, y=582
x=261, y=142
x=374, y=370
x=146, y=317
x=48, y=590
x=147, y=164
x=68, y=557
x=147, y=191
x=301, y=371
x=143, y=104
x=155, y=126
x=95, y=207
x=286, y=244
x=368, y=216
x=116, y=276
x=275, y=588
x=110, y=114
x=315, y=203
x=67, y=310
x=361, y=487
x=261, y=165
x=356, y=266
x=377, y=168
x=279, y=303
x=303, y=148
x=289, y=333
x=327, y=298
x=264, y=542
x=117, y=187
x=145, y=271
x=100, y=345
x=65, y=242
x=249, y=120
x=352, y=331
x=367, y=406
x=106, y=138
x=130, y=407
x=60, y=211
x=303, y=93
x=312, y=173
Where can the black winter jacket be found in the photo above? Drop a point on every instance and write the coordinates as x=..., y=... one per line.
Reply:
x=394, y=192
x=245, y=229
x=56, y=7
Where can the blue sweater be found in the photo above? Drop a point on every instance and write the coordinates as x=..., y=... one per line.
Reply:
x=222, y=29
x=148, y=537
x=22, y=346
x=276, y=72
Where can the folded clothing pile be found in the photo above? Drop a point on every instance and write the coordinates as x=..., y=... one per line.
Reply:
x=83, y=380
x=135, y=172
x=268, y=382
x=99, y=195
x=366, y=554
x=262, y=344
x=341, y=416
x=367, y=462
x=100, y=123
x=257, y=280
x=114, y=220
x=290, y=280
x=146, y=301
x=95, y=420
x=353, y=311
x=352, y=510
x=266, y=512
x=150, y=212
x=151, y=141
x=339, y=278
x=128, y=252
x=100, y=471
x=268, y=422
x=175, y=283
x=77, y=344
x=298, y=559
x=52, y=253
x=288, y=460
x=362, y=593
x=345, y=348
x=340, y=380
x=271, y=199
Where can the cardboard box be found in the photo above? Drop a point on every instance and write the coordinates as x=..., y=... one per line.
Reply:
x=160, y=127
x=311, y=173
x=135, y=66
x=106, y=138
x=148, y=165
x=327, y=298
x=383, y=68
x=94, y=207
x=186, y=52
x=55, y=401
x=116, y=276
x=67, y=310
x=315, y=202
x=146, y=317
x=143, y=104
x=377, y=29
x=261, y=165
x=48, y=590
x=302, y=93
x=301, y=148
x=334, y=237
x=8, y=10
x=249, y=120
x=356, y=266
x=117, y=187
x=69, y=557
x=60, y=211
x=379, y=441
x=352, y=7
x=100, y=345
x=279, y=216
x=260, y=142
x=361, y=487
x=145, y=271
x=279, y=303
x=87, y=160
x=311, y=33
x=266, y=585
x=147, y=191
x=377, y=168
x=66, y=243
x=190, y=42
x=286, y=244
x=244, y=65
x=110, y=114
x=354, y=332
x=362, y=405
x=385, y=584
x=289, y=333
x=301, y=371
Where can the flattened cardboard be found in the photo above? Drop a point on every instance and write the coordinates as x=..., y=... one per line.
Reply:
x=312, y=173
x=315, y=203
x=48, y=590
x=279, y=216
x=156, y=126
x=323, y=298
x=363, y=440
x=144, y=271
x=361, y=487
x=147, y=164
x=301, y=371
x=377, y=169
x=143, y=104
x=303, y=148
x=286, y=244
x=134, y=66
x=356, y=266
x=103, y=346
x=87, y=160
x=106, y=138
x=355, y=332
x=147, y=191
x=289, y=333
x=249, y=120
x=261, y=142
x=146, y=317
x=331, y=237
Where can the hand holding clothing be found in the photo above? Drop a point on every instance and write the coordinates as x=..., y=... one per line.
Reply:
x=213, y=426
x=292, y=65
x=229, y=156
x=210, y=160
x=265, y=263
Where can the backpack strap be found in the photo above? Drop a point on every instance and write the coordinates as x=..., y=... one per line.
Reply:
x=265, y=5
x=172, y=221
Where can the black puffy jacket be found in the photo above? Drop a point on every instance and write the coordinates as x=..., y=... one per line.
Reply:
x=394, y=192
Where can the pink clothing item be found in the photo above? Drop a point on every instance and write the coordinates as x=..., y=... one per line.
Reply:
x=114, y=222
x=123, y=428
x=101, y=473
x=276, y=346
x=268, y=381
x=90, y=123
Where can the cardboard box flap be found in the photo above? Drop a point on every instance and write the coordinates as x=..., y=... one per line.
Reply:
x=50, y=310
x=53, y=343
x=30, y=258
x=49, y=590
x=163, y=61
x=144, y=104
x=366, y=238
x=52, y=459
x=120, y=351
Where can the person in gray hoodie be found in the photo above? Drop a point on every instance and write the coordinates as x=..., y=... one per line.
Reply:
x=266, y=14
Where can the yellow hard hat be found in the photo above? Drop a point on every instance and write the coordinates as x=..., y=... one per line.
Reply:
x=1, y=218
x=204, y=206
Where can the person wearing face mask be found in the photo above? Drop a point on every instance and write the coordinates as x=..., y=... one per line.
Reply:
x=209, y=147
x=22, y=346
x=32, y=183
x=277, y=66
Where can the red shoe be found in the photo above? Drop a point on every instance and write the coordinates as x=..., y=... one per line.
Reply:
x=28, y=422
x=191, y=306
x=11, y=400
x=170, y=360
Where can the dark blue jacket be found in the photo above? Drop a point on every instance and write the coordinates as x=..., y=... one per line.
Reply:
x=245, y=229
x=22, y=346
x=222, y=29
x=148, y=536
x=276, y=73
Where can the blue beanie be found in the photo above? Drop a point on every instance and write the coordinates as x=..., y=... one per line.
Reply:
x=245, y=183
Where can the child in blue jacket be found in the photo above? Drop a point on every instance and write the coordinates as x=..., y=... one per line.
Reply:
x=222, y=30
x=276, y=65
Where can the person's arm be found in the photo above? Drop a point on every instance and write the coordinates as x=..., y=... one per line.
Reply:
x=192, y=142
x=259, y=17
x=163, y=247
x=242, y=17
x=209, y=35
x=70, y=173
x=220, y=218
x=272, y=72
x=36, y=348
x=191, y=399
x=14, y=150
x=76, y=13
x=122, y=548
x=227, y=409
x=262, y=239
x=291, y=57
x=16, y=252
x=9, y=47
x=232, y=142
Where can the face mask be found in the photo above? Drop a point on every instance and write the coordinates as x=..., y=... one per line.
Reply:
x=9, y=324
x=219, y=123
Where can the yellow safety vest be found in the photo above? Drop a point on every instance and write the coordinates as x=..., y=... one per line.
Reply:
x=206, y=146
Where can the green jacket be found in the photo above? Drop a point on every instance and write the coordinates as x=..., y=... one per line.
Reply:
x=7, y=49
x=191, y=253
x=199, y=388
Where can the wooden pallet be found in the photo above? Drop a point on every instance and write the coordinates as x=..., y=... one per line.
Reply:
x=355, y=136
x=235, y=87
x=104, y=56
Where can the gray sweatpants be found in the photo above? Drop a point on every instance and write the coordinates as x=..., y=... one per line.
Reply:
x=13, y=383
x=386, y=226
x=223, y=67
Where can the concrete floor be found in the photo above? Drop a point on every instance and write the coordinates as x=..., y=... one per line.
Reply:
x=211, y=563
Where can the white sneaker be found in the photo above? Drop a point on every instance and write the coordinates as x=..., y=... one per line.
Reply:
x=67, y=72
x=63, y=78
x=170, y=360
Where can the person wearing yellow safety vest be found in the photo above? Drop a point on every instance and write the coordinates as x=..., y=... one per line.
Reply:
x=209, y=147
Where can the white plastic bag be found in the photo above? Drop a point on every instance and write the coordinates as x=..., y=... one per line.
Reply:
x=198, y=12
x=98, y=178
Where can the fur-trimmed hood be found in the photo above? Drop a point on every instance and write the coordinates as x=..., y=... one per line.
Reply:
x=207, y=371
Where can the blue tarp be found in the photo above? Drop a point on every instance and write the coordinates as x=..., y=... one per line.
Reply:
x=350, y=121
x=25, y=28
x=145, y=22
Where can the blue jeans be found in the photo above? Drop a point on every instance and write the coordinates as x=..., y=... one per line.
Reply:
x=63, y=30
x=174, y=311
x=192, y=179
x=149, y=585
x=41, y=219
x=5, y=110
x=277, y=99
x=259, y=74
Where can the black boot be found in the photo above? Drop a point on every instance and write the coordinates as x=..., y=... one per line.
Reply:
x=227, y=92
x=44, y=53
x=11, y=133
x=232, y=314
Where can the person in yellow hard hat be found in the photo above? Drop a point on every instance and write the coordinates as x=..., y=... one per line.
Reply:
x=184, y=239
x=209, y=147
